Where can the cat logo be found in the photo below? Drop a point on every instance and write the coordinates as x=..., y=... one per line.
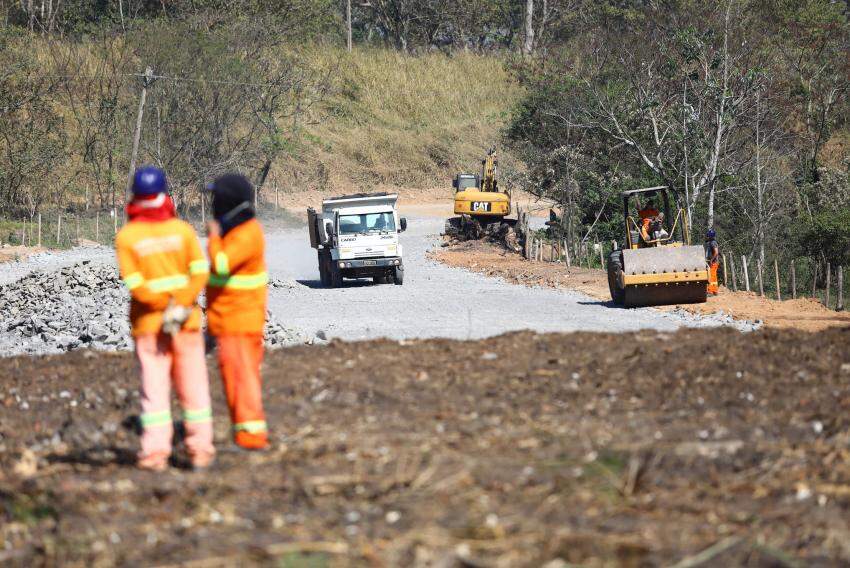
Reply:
x=480, y=206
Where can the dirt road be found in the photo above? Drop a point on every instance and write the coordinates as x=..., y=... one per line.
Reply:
x=436, y=300
x=629, y=450
x=484, y=258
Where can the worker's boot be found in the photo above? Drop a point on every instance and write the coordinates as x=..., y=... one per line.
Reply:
x=251, y=440
x=202, y=460
x=153, y=462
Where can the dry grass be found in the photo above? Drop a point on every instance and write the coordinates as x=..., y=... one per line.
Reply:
x=388, y=119
x=400, y=119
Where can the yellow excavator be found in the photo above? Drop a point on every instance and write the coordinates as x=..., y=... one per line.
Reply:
x=657, y=264
x=480, y=205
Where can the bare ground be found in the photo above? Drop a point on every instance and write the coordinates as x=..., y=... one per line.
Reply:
x=597, y=449
x=486, y=258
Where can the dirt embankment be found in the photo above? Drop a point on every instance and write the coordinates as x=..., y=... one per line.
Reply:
x=424, y=202
x=597, y=449
x=803, y=313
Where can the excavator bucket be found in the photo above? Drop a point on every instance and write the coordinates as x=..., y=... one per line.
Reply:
x=664, y=275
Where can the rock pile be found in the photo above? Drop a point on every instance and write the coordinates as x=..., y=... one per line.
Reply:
x=80, y=306
x=83, y=306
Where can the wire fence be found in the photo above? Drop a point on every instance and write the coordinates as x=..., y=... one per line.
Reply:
x=67, y=228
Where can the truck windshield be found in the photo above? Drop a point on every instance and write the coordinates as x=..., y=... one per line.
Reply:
x=466, y=183
x=366, y=223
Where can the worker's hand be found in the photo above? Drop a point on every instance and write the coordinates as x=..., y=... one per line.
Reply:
x=174, y=317
x=213, y=229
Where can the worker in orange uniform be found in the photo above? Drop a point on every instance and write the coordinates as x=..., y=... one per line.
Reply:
x=712, y=256
x=236, y=304
x=163, y=266
x=647, y=214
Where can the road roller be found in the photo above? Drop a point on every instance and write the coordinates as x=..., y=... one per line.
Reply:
x=656, y=265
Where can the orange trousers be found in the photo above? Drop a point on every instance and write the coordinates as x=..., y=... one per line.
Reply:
x=239, y=358
x=713, y=283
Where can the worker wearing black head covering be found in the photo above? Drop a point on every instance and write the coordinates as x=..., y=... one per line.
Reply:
x=233, y=201
x=236, y=304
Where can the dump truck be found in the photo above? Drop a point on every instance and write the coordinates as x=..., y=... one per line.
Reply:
x=479, y=205
x=657, y=265
x=357, y=236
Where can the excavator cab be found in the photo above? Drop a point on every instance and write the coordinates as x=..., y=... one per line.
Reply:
x=657, y=265
x=466, y=181
x=478, y=202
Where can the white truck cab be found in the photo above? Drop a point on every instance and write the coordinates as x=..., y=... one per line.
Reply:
x=356, y=236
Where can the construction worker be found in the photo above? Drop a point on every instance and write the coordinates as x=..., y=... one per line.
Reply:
x=236, y=304
x=647, y=215
x=163, y=266
x=712, y=256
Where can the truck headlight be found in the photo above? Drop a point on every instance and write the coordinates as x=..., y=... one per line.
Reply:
x=342, y=265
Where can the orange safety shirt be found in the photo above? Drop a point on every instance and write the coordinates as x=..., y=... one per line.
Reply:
x=237, y=290
x=160, y=262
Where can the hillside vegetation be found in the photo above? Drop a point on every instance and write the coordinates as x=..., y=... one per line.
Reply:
x=290, y=117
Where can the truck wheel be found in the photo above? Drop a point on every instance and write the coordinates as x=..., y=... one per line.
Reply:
x=335, y=276
x=381, y=279
x=615, y=267
x=398, y=275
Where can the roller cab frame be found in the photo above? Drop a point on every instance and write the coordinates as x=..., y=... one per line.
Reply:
x=656, y=269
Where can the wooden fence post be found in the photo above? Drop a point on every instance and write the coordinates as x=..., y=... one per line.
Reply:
x=746, y=272
x=840, y=306
x=601, y=256
x=58, y=228
x=114, y=223
x=828, y=283
x=760, y=268
x=776, y=276
x=734, y=273
x=97, y=226
x=725, y=273
x=39, y=229
x=567, y=252
x=793, y=280
x=815, y=280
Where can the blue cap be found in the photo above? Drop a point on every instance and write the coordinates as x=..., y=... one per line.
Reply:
x=710, y=234
x=149, y=180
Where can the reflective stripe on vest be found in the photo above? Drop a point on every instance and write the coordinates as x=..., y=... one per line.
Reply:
x=156, y=418
x=199, y=267
x=168, y=283
x=134, y=280
x=195, y=416
x=252, y=426
x=240, y=281
x=222, y=264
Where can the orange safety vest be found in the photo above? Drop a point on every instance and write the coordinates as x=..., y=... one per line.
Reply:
x=237, y=290
x=160, y=262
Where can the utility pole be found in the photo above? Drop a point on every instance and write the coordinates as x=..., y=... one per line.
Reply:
x=348, y=22
x=528, y=45
x=147, y=80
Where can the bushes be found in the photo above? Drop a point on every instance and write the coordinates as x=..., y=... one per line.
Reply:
x=827, y=236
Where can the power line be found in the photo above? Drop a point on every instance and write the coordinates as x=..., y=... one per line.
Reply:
x=165, y=78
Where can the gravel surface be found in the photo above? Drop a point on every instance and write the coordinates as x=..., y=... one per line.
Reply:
x=49, y=303
x=439, y=301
